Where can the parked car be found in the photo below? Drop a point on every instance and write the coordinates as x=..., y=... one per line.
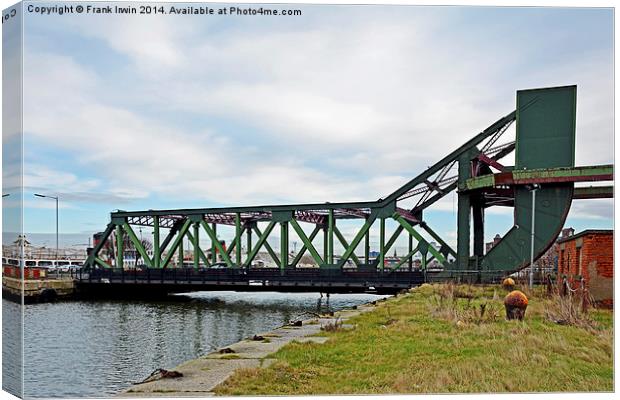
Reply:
x=63, y=266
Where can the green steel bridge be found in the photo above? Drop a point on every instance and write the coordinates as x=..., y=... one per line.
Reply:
x=542, y=180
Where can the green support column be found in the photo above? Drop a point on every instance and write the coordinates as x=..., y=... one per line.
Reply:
x=478, y=220
x=307, y=244
x=330, y=237
x=196, y=246
x=382, y=243
x=367, y=247
x=304, y=248
x=343, y=242
x=464, y=214
x=213, y=247
x=410, y=250
x=325, y=244
x=283, y=245
x=156, y=248
x=249, y=240
x=356, y=240
x=180, y=262
x=119, y=247
x=238, y=238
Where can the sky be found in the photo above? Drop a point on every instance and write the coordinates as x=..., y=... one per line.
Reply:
x=342, y=103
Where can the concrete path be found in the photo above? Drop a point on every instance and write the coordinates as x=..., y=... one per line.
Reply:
x=201, y=375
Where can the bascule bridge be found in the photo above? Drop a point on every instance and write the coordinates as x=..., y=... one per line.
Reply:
x=540, y=187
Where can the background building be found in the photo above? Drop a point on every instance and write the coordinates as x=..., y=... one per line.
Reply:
x=589, y=254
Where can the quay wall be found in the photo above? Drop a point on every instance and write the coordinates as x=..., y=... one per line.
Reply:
x=37, y=290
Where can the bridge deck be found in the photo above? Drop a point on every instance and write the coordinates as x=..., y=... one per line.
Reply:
x=153, y=281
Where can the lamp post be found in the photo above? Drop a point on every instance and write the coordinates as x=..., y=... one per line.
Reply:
x=55, y=198
x=533, y=189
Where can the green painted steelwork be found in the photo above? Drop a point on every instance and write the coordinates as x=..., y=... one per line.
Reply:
x=404, y=259
x=262, y=239
x=480, y=182
x=349, y=250
x=344, y=244
x=213, y=245
x=367, y=247
x=181, y=253
x=303, y=249
x=272, y=253
x=446, y=250
x=176, y=243
x=119, y=247
x=102, y=263
x=419, y=237
x=595, y=192
x=237, y=241
x=410, y=237
x=330, y=237
x=542, y=175
x=307, y=243
x=196, y=243
x=283, y=245
x=545, y=119
x=156, y=247
x=381, y=243
x=215, y=242
x=391, y=241
x=137, y=244
x=201, y=255
x=463, y=213
x=248, y=240
x=171, y=234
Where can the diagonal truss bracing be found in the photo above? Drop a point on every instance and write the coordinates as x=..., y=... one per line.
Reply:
x=306, y=221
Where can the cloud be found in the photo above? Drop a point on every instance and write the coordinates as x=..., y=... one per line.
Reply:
x=335, y=108
x=599, y=209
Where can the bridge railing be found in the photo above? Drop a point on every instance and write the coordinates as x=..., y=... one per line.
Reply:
x=246, y=275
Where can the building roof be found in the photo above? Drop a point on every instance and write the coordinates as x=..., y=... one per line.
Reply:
x=587, y=232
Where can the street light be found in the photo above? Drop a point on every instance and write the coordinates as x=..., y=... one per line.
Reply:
x=6, y=195
x=55, y=198
x=533, y=189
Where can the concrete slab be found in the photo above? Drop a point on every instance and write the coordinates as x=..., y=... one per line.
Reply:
x=202, y=375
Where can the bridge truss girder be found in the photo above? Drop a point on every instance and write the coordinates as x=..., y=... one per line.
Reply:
x=424, y=190
x=193, y=224
x=481, y=181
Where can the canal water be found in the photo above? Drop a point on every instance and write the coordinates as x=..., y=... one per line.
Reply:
x=98, y=348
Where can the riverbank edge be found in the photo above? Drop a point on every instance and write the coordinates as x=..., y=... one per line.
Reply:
x=201, y=375
x=37, y=290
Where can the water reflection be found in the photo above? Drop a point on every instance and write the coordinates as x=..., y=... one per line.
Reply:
x=98, y=348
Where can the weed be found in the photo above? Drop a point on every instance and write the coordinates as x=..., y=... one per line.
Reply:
x=568, y=310
x=425, y=352
x=230, y=357
x=332, y=326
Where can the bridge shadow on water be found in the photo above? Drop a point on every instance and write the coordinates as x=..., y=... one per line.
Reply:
x=111, y=343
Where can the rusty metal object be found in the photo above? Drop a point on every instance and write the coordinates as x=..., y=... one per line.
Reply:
x=226, y=350
x=516, y=304
x=508, y=284
x=160, y=374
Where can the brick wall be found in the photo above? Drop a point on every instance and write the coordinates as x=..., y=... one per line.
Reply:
x=589, y=255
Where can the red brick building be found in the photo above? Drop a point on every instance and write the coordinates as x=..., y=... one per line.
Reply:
x=589, y=254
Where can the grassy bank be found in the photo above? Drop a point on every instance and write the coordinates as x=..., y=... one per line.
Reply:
x=445, y=338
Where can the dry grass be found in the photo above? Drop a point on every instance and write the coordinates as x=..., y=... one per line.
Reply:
x=332, y=326
x=463, y=304
x=424, y=352
x=569, y=310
